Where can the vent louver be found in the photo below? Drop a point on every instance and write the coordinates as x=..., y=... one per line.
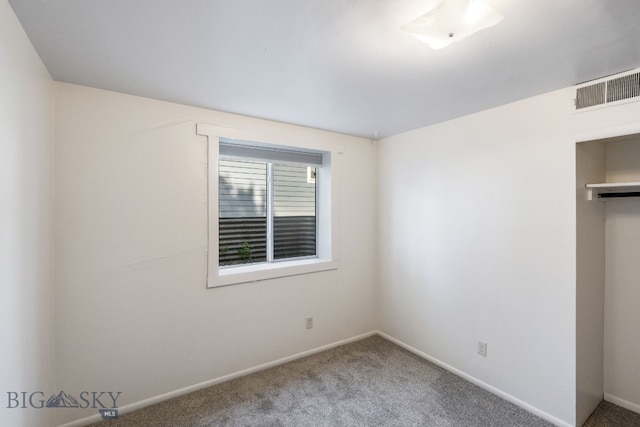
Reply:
x=613, y=90
x=623, y=87
x=589, y=96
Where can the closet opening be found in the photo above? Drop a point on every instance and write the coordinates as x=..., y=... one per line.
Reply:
x=608, y=273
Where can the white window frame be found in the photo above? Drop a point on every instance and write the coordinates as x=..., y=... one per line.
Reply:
x=326, y=206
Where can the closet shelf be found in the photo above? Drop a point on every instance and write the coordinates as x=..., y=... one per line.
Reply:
x=610, y=190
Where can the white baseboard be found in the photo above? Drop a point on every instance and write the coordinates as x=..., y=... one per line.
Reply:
x=157, y=399
x=481, y=384
x=170, y=395
x=621, y=402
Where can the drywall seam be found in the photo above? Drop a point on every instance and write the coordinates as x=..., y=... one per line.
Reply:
x=163, y=258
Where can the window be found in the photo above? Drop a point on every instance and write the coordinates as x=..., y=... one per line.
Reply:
x=267, y=208
x=271, y=207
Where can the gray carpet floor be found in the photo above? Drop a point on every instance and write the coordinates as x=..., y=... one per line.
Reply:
x=371, y=382
x=610, y=415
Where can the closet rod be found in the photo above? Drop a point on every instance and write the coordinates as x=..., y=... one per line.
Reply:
x=613, y=195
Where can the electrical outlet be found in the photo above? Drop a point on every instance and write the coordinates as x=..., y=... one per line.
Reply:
x=482, y=348
x=309, y=322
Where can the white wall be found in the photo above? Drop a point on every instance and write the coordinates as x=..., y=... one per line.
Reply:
x=26, y=230
x=478, y=242
x=590, y=281
x=134, y=314
x=622, y=302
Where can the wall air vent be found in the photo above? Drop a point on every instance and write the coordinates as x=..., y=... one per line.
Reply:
x=588, y=96
x=623, y=87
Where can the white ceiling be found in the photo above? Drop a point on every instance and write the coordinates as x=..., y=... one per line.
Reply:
x=341, y=65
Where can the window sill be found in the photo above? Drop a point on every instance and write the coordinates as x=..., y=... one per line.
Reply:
x=259, y=272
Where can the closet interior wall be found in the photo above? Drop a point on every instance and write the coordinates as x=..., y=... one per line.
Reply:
x=622, y=278
x=590, y=280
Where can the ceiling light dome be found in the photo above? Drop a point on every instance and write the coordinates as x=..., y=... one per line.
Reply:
x=452, y=20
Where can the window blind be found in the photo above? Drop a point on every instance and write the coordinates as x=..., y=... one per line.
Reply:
x=234, y=148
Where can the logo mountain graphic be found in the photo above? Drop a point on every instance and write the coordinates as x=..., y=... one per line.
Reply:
x=62, y=400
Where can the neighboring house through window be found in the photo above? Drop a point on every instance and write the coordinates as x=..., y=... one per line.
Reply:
x=267, y=207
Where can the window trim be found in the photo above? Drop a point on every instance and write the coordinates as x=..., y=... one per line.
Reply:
x=327, y=257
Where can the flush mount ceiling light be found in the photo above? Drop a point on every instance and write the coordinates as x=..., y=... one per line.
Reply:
x=451, y=21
